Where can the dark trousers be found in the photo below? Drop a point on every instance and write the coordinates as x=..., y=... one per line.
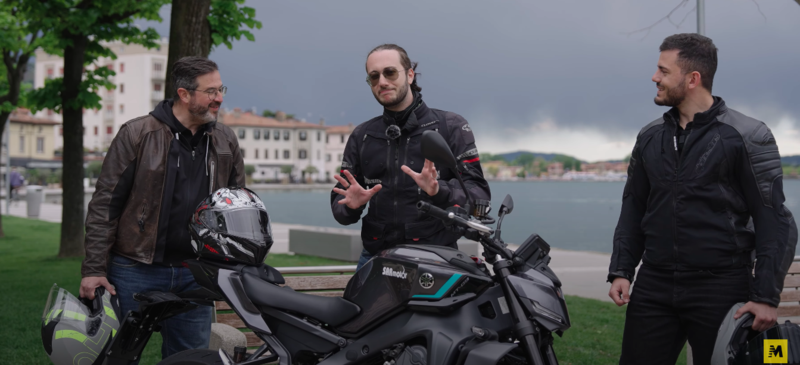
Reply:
x=667, y=307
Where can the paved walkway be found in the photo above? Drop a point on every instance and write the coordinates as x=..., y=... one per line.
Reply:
x=581, y=273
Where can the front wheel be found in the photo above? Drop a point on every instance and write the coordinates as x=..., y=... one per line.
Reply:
x=194, y=357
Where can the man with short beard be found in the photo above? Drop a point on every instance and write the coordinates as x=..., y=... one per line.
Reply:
x=704, y=198
x=158, y=168
x=383, y=162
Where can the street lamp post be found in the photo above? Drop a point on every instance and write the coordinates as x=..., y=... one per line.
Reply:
x=701, y=15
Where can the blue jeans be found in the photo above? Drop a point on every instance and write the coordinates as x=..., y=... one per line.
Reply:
x=365, y=256
x=186, y=331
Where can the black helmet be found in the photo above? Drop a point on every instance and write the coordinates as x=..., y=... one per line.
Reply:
x=232, y=225
x=737, y=343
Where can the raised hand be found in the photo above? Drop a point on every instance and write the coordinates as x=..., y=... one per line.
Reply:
x=355, y=196
x=426, y=179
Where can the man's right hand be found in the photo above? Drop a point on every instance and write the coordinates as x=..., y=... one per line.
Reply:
x=90, y=283
x=620, y=291
x=354, y=195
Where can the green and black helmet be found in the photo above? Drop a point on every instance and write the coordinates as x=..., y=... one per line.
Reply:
x=75, y=332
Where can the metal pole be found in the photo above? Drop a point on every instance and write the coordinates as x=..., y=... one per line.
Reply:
x=701, y=17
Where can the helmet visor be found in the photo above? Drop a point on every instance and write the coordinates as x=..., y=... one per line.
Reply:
x=248, y=223
x=63, y=306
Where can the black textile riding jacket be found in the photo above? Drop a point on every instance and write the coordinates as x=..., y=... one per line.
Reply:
x=717, y=204
x=373, y=157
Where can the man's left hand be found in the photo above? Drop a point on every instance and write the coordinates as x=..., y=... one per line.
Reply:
x=766, y=315
x=426, y=179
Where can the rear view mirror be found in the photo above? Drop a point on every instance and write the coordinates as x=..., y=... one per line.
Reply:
x=435, y=149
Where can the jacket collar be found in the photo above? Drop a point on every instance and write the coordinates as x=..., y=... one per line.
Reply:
x=718, y=108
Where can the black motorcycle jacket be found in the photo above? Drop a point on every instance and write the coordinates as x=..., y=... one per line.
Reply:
x=714, y=202
x=374, y=154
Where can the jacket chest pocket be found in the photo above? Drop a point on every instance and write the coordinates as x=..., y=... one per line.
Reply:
x=708, y=163
x=374, y=159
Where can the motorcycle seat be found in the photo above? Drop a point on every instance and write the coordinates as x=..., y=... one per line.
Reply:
x=331, y=310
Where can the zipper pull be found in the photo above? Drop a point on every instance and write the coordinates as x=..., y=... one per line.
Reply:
x=675, y=141
x=141, y=225
x=192, y=155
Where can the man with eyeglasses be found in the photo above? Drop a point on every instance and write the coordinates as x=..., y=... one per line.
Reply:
x=158, y=168
x=383, y=162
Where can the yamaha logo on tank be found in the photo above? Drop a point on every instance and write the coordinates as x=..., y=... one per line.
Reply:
x=426, y=281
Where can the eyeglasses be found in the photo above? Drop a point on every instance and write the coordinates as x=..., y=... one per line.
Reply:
x=212, y=93
x=390, y=73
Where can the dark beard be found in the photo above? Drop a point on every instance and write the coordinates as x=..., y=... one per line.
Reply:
x=401, y=95
x=673, y=96
x=203, y=112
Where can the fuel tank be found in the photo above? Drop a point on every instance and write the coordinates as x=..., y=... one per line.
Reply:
x=384, y=285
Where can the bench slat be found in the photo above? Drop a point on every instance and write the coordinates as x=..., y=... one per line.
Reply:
x=789, y=311
x=795, y=268
x=231, y=319
x=790, y=295
x=791, y=281
x=317, y=282
x=252, y=339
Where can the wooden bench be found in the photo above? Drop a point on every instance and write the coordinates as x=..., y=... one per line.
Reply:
x=329, y=281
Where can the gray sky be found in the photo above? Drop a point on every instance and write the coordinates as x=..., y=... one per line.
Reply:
x=545, y=76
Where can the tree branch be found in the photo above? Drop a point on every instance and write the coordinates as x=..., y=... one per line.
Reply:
x=762, y=13
x=668, y=17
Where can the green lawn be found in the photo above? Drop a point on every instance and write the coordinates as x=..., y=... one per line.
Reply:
x=29, y=267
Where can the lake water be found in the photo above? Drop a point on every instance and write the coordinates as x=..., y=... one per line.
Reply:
x=568, y=215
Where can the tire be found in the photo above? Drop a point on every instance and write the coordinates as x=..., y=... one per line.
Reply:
x=193, y=357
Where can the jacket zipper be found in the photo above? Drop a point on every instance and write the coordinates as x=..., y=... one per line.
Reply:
x=211, y=179
x=405, y=157
x=678, y=160
x=141, y=217
x=394, y=172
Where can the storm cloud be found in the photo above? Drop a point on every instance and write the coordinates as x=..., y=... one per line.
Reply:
x=555, y=76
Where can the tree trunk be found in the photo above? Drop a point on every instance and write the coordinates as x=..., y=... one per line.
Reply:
x=189, y=34
x=72, y=209
x=15, y=71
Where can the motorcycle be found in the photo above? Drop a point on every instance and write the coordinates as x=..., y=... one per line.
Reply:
x=410, y=304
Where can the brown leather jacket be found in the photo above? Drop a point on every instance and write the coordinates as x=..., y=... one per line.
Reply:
x=123, y=213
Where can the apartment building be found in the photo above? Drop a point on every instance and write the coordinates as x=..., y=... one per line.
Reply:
x=31, y=140
x=335, y=142
x=273, y=145
x=140, y=80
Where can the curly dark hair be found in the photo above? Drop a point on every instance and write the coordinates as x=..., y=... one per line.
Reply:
x=695, y=53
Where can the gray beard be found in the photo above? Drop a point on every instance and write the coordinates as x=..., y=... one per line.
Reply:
x=202, y=112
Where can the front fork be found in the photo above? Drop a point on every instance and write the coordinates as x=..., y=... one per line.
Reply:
x=524, y=329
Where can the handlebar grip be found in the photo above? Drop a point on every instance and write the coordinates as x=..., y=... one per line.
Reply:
x=434, y=211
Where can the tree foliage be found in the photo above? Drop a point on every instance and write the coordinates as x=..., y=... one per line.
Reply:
x=227, y=20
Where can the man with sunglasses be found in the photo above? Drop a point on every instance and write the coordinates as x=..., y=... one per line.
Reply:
x=383, y=162
x=159, y=167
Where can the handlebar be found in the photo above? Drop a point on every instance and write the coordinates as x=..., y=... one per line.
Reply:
x=480, y=232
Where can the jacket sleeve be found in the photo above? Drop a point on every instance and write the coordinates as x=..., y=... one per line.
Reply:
x=462, y=143
x=628, y=236
x=237, y=176
x=351, y=162
x=761, y=176
x=108, y=201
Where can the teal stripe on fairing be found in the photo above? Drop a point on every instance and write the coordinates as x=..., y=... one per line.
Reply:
x=443, y=289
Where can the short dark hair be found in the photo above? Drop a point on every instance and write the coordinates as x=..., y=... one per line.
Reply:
x=404, y=61
x=186, y=70
x=695, y=53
